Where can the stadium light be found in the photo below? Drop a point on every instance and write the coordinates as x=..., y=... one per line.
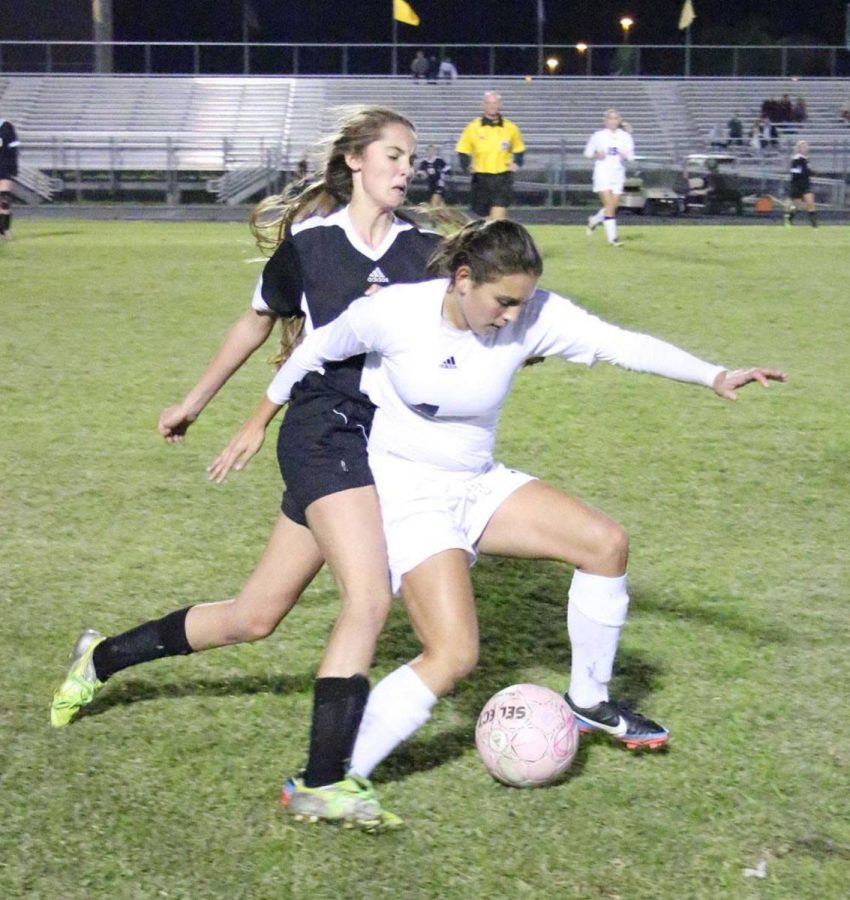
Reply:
x=626, y=23
x=552, y=64
x=581, y=47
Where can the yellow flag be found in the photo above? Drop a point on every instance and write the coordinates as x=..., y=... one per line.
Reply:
x=404, y=12
x=688, y=15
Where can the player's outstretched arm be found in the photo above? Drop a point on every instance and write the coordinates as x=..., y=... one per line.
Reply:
x=248, y=332
x=726, y=383
x=245, y=444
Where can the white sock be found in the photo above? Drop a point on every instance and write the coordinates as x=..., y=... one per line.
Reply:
x=398, y=706
x=610, y=228
x=597, y=217
x=595, y=615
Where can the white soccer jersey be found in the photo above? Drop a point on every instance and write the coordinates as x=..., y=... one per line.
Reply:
x=439, y=391
x=616, y=145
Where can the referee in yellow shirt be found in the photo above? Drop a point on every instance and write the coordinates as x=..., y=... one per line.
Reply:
x=494, y=146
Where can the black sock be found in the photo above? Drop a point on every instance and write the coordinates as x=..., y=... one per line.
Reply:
x=813, y=218
x=153, y=640
x=5, y=221
x=338, y=705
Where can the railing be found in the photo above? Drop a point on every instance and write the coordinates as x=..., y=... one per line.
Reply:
x=663, y=60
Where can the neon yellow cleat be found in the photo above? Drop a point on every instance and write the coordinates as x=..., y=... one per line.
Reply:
x=351, y=803
x=81, y=682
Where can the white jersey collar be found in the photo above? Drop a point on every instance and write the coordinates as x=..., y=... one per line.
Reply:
x=344, y=221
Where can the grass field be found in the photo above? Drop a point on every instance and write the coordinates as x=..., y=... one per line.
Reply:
x=737, y=639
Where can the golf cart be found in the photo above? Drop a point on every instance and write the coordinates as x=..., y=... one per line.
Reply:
x=651, y=190
x=712, y=183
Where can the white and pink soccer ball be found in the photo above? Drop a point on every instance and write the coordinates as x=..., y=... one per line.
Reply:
x=526, y=735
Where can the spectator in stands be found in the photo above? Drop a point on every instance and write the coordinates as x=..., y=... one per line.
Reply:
x=448, y=70
x=419, y=66
x=756, y=137
x=785, y=110
x=435, y=169
x=735, y=131
x=433, y=68
x=715, y=138
x=495, y=148
x=769, y=134
x=799, y=113
x=8, y=170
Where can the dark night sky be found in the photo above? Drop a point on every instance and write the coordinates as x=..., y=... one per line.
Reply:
x=478, y=21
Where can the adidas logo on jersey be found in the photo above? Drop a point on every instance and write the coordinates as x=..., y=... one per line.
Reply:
x=376, y=276
x=448, y=363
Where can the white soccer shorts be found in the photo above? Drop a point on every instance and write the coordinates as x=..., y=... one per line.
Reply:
x=605, y=182
x=427, y=509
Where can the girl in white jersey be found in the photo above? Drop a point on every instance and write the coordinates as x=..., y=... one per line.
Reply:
x=444, y=354
x=611, y=148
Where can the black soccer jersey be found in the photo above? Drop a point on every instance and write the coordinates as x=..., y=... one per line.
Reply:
x=323, y=265
x=801, y=175
x=8, y=150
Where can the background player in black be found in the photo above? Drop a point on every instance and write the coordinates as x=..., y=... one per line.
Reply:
x=800, y=192
x=8, y=170
x=435, y=168
x=338, y=239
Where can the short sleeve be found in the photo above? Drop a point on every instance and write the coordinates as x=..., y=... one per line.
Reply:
x=517, y=144
x=464, y=145
x=281, y=285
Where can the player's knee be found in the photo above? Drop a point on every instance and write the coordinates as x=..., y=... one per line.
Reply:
x=610, y=547
x=457, y=661
x=367, y=612
x=254, y=627
x=246, y=624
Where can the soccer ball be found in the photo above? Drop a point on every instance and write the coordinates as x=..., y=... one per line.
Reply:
x=526, y=735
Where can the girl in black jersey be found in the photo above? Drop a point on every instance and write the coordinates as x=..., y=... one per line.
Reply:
x=338, y=239
x=800, y=191
x=8, y=170
x=435, y=169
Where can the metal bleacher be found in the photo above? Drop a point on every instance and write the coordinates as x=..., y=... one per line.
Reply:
x=712, y=102
x=122, y=124
x=233, y=132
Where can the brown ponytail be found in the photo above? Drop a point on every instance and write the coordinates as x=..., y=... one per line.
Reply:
x=491, y=249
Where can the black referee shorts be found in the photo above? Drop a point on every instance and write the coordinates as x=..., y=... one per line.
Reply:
x=491, y=190
x=798, y=191
x=8, y=173
x=321, y=448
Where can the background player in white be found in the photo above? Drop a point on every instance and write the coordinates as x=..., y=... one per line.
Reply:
x=336, y=240
x=445, y=353
x=611, y=148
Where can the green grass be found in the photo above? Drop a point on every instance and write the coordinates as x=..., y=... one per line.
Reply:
x=737, y=637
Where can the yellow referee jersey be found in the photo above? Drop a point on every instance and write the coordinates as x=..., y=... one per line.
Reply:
x=491, y=146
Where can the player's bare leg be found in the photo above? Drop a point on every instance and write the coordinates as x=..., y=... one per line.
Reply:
x=441, y=607
x=349, y=532
x=539, y=521
x=289, y=563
